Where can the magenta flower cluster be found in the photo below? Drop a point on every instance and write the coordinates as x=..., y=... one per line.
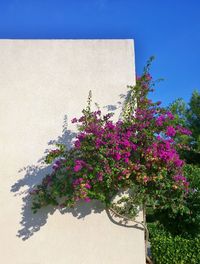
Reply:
x=108, y=156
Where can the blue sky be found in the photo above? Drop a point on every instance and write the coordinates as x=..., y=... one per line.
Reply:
x=170, y=30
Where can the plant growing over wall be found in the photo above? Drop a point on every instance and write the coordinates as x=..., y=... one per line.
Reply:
x=137, y=153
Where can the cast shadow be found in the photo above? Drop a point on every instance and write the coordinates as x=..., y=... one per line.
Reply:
x=82, y=209
x=113, y=107
x=121, y=222
x=32, y=175
x=31, y=223
x=119, y=106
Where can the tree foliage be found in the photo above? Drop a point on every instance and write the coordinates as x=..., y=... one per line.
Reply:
x=189, y=116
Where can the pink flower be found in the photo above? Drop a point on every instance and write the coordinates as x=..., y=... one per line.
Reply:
x=81, y=136
x=179, y=178
x=117, y=156
x=100, y=176
x=56, y=165
x=145, y=179
x=87, y=199
x=170, y=115
x=77, y=167
x=184, y=130
x=74, y=120
x=77, y=144
x=77, y=182
x=170, y=131
x=126, y=160
x=134, y=147
x=160, y=120
x=126, y=143
x=148, y=77
x=178, y=163
x=88, y=186
x=98, y=143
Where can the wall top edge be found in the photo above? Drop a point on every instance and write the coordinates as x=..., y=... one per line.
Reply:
x=46, y=39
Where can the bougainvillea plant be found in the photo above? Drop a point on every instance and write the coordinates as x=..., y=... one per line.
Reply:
x=137, y=153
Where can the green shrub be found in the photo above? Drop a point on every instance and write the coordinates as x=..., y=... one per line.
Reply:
x=184, y=222
x=166, y=249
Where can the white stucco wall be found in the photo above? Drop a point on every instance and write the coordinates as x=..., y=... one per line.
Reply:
x=42, y=82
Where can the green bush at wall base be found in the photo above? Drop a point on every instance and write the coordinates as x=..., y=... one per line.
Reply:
x=166, y=249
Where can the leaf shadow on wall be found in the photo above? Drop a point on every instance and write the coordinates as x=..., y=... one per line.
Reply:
x=33, y=175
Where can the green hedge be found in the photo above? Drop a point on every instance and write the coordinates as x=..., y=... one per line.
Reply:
x=166, y=249
x=177, y=250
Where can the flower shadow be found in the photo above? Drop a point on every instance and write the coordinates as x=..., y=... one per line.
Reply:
x=30, y=223
x=33, y=174
x=83, y=209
